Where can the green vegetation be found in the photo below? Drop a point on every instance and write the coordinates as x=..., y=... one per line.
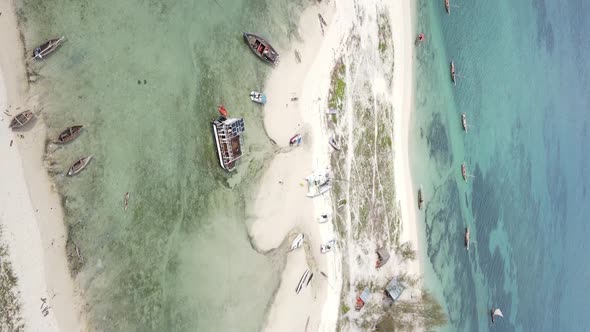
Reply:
x=406, y=250
x=337, y=87
x=384, y=33
x=407, y=315
x=344, y=309
x=10, y=319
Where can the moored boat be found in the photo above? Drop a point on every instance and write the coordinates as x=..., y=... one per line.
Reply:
x=258, y=97
x=419, y=39
x=334, y=144
x=68, y=134
x=447, y=7
x=302, y=281
x=42, y=51
x=295, y=140
x=467, y=238
x=21, y=119
x=79, y=165
x=229, y=140
x=420, y=199
x=297, y=242
x=261, y=48
x=464, y=121
x=453, y=73
x=464, y=171
x=496, y=312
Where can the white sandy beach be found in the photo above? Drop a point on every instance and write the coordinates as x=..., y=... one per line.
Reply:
x=30, y=209
x=281, y=207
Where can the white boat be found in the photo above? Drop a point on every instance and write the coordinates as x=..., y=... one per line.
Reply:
x=496, y=312
x=323, y=219
x=297, y=242
x=258, y=97
x=334, y=144
x=318, y=183
x=332, y=111
x=302, y=281
x=324, y=248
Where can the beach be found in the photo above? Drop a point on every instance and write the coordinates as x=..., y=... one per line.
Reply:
x=31, y=215
x=281, y=208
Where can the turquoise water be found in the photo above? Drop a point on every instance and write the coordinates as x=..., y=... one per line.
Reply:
x=524, y=88
x=144, y=78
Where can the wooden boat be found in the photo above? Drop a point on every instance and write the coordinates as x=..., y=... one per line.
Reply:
x=496, y=312
x=126, y=200
x=69, y=134
x=464, y=121
x=447, y=7
x=420, y=199
x=21, y=119
x=258, y=97
x=467, y=238
x=297, y=242
x=229, y=139
x=42, y=51
x=464, y=171
x=301, y=281
x=261, y=48
x=79, y=165
x=322, y=21
x=453, y=73
x=334, y=144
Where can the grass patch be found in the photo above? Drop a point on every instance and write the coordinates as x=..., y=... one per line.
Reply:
x=337, y=87
x=10, y=316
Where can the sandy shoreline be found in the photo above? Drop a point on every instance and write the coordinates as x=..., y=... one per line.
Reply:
x=31, y=213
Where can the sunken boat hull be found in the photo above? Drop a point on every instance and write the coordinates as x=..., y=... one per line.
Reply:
x=261, y=48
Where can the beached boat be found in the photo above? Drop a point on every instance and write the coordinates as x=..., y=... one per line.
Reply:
x=258, y=97
x=295, y=140
x=302, y=281
x=21, y=119
x=68, y=134
x=229, y=140
x=261, y=48
x=496, y=312
x=453, y=79
x=324, y=248
x=334, y=144
x=464, y=121
x=79, y=165
x=447, y=7
x=420, y=199
x=323, y=219
x=318, y=183
x=467, y=238
x=362, y=298
x=42, y=51
x=297, y=242
x=382, y=257
x=464, y=171
x=322, y=21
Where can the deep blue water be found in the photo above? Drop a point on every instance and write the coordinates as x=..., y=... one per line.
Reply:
x=524, y=87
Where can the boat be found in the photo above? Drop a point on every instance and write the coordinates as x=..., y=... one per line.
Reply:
x=42, y=51
x=322, y=21
x=295, y=140
x=447, y=7
x=334, y=144
x=309, y=279
x=21, y=119
x=79, y=165
x=464, y=171
x=258, y=97
x=297, y=242
x=68, y=134
x=382, y=257
x=323, y=219
x=496, y=312
x=419, y=39
x=261, y=48
x=420, y=199
x=467, y=238
x=453, y=72
x=318, y=183
x=301, y=281
x=332, y=111
x=229, y=140
x=362, y=298
x=126, y=200
x=324, y=248
x=464, y=121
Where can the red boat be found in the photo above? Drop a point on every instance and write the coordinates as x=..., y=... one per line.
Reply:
x=419, y=39
x=295, y=140
x=361, y=299
x=222, y=111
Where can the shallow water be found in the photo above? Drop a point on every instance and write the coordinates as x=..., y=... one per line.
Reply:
x=524, y=89
x=144, y=78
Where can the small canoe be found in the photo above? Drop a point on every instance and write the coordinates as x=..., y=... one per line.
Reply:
x=453, y=73
x=297, y=242
x=69, y=134
x=21, y=119
x=258, y=97
x=464, y=121
x=334, y=144
x=79, y=165
x=222, y=111
x=42, y=51
x=464, y=171
x=420, y=199
x=467, y=238
x=301, y=281
x=261, y=48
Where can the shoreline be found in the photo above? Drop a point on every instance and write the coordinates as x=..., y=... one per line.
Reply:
x=32, y=215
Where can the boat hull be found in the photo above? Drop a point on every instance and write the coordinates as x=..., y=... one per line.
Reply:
x=21, y=119
x=79, y=165
x=69, y=134
x=261, y=48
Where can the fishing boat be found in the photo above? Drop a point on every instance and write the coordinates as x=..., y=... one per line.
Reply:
x=323, y=219
x=42, y=51
x=302, y=281
x=324, y=248
x=318, y=183
x=68, y=134
x=362, y=298
x=79, y=165
x=464, y=171
x=420, y=199
x=496, y=312
x=382, y=257
x=258, y=97
x=229, y=140
x=464, y=121
x=295, y=140
x=261, y=48
x=21, y=119
x=297, y=242
x=334, y=144
x=467, y=238
x=453, y=72
x=447, y=7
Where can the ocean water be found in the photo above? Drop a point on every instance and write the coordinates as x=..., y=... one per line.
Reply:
x=145, y=78
x=524, y=87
